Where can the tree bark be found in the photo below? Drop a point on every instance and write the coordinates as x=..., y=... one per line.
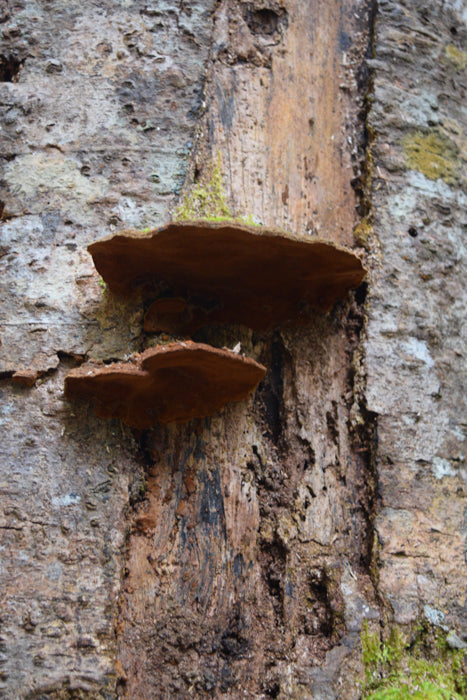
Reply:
x=238, y=555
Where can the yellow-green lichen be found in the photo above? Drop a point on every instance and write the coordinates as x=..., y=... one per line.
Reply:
x=456, y=57
x=434, y=154
x=423, y=668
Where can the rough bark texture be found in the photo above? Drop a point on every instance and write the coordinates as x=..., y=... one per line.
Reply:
x=416, y=333
x=235, y=556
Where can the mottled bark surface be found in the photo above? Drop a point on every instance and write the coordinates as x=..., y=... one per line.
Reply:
x=416, y=336
x=235, y=556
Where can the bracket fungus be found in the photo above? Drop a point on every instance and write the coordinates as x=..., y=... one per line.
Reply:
x=168, y=383
x=226, y=272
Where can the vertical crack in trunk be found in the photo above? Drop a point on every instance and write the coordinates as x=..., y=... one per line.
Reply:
x=363, y=421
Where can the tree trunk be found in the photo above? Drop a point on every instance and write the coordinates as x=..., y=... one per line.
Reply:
x=237, y=555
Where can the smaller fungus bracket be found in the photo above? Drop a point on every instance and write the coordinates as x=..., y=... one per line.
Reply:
x=168, y=383
x=232, y=272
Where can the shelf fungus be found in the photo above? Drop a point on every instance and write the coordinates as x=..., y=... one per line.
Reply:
x=168, y=383
x=226, y=272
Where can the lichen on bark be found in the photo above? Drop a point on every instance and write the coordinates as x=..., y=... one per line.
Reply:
x=434, y=154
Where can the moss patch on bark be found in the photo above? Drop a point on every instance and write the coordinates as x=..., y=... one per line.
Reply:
x=420, y=665
x=207, y=199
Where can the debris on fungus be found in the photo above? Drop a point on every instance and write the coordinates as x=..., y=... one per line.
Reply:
x=164, y=384
x=228, y=272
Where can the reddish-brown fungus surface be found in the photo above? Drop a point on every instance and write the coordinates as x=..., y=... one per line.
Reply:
x=230, y=273
x=168, y=383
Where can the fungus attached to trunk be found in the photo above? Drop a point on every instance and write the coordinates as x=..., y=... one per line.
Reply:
x=168, y=383
x=168, y=315
x=228, y=272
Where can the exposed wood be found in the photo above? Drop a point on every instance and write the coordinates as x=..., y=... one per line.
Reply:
x=240, y=584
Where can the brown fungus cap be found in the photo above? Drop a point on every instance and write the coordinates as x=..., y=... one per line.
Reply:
x=229, y=272
x=168, y=383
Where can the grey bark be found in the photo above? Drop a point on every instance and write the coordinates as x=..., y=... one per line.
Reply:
x=415, y=350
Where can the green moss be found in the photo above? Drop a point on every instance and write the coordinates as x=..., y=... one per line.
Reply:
x=423, y=668
x=455, y=56
x=102, y=285
x=248, y=219
x=362, y=232
x=433, y=154
x=207, y=200
x=425, y=691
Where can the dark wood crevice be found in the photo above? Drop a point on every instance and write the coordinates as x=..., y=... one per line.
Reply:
x=10, y=67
